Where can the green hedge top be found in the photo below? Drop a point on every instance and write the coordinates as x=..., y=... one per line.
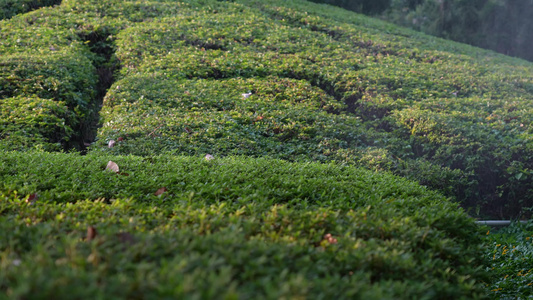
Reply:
x=264, y=228
x=418, y=103
x=10, y=8
x=428, y=111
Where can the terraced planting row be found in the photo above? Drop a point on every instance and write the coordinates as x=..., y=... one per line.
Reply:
x=226, y=228
x=10, y=8
x=261, y=81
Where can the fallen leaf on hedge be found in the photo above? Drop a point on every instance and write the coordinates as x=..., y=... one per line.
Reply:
x=32, y=198
x=246, y=95
x=259, y=118
x=160, y=191
x=111, y=144
x=120, y=139
x=330, y=239
x=91, y=233
x=111, y=166
x=209, y=157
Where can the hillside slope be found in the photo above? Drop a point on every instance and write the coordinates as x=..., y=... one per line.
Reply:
x=263, y=81
x=326, y=85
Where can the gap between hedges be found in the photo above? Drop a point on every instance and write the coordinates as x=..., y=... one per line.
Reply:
x=102, y=49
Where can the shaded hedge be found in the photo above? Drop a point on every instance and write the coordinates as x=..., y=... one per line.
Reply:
x=35, y=123
x=10, y=8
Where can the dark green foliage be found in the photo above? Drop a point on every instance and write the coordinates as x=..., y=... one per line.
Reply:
x=510, y=261
x=32, y=122
x=251, y=228
x=283, y=118
x=289, y=80
x=459, y=120
x=9, y=8
x=384, y=98
x=65, y=77
x=68, y=77
x=504, y=26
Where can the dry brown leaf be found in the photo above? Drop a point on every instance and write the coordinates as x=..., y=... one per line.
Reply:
x=111, y=166
x=91, y=233
x=32, y=198
x=120, y=139
x=160, y=191
x=330, y=239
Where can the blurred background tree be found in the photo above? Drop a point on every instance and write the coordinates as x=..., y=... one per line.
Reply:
x=505, y=26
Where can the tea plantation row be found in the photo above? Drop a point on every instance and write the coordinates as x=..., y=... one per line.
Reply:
x=325, y=86
x=226, y=228
x=10, y=8
x=294, y=81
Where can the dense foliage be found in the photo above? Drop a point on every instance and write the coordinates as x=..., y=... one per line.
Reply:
x=263, y=81
x=457, y=123
x=226, y=228
x=9, y=8
x=510, y=261
x=454, y=118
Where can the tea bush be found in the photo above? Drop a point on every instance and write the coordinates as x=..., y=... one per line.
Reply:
x=9, y=8
x=227, y=227
x=67, y=78
x=467, y=109
x=426, y=104
x=510, y=261
x=32, y=122
x=259, y=80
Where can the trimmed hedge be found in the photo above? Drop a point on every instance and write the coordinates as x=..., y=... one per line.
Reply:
x=510, y=261
x=232, y=227
x=64, y=77
x=421, y=107
x=443, y=119
x=10, y=8
x=32, y=122
x=288, y=80
x=68, y=77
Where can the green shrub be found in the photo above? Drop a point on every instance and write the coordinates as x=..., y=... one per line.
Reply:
x=282, y=118
x=67, y=77
x=382, y=86
x=390, y=86
x=247, y=227
x=32, y=122
x=9, y=8
x=510, y=261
